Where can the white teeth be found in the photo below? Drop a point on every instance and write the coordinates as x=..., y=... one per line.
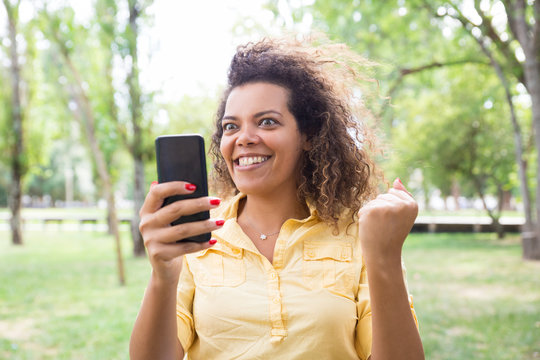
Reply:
x=245, y=161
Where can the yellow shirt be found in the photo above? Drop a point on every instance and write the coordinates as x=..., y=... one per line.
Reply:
x=311, y=303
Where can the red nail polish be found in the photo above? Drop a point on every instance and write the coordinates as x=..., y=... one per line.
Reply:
x=212, y=241
x=398, y=179
x=220, y=222
x=190, y=187
x=154, y=183
x=215, y=201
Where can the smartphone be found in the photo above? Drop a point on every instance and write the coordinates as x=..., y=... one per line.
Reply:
x=182, y=158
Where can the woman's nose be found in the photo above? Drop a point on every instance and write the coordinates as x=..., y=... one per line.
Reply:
x=247, y=136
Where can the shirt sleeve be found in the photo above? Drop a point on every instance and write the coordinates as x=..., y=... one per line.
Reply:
x=363, y=335
x=184, y=307
x=410, y=296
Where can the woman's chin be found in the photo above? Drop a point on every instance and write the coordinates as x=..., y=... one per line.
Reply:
x=249, y=189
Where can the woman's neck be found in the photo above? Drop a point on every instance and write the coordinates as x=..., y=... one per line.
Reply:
x=268, y=213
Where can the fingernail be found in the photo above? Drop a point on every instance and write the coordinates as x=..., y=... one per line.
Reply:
x=153, y=183
x=220, y=222
x=212, y=241
x=190, y=187
x=398, y=179
x=215, y=201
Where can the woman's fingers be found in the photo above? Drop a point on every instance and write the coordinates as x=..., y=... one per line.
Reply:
x=173, y=211
x=159, y=192
x=179, y=249
x=171, y=234
x=398, y=185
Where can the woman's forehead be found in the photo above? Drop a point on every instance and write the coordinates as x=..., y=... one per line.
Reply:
x=259, y=96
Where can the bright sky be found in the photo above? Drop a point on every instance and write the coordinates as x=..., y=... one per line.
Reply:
x=189, y=46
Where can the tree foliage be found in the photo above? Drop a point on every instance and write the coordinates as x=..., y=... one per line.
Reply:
x=424, y=46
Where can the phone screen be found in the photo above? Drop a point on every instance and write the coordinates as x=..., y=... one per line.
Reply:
x=182, y=158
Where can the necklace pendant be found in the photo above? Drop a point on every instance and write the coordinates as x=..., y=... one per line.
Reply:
x=263, y=237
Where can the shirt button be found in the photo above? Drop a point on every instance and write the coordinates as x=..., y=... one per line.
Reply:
x=275, y=300
x=310, y=253
x=273, y=275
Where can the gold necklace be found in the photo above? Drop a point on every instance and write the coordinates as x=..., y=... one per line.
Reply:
x=262, y=236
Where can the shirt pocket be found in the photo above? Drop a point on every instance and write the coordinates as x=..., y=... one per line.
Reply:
x=220, y=265
x=329, y=265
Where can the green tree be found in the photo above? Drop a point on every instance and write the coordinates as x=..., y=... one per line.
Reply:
x=16, y=116
x=456, y=145
x=412, y=40
x=139, y=147
x=120, y=38
x=508, y=33
x=89, y=108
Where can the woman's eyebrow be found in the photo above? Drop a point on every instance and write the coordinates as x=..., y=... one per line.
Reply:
x=256, y=115
x=262, y=113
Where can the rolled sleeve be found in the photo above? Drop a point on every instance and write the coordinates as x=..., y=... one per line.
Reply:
x=363, y=336
x=184, y=307
x=404, y=269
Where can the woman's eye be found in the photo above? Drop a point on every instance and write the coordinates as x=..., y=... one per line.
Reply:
x=229, y=126
x=267, y=122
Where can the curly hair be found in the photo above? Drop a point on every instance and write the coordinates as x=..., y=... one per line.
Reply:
x=337, y=175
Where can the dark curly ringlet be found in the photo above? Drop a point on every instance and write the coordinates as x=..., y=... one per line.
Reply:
x=336, y=174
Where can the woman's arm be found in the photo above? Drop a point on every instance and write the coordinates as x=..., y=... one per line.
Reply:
x=395, y=335
x=384, y=223
x=154, y=334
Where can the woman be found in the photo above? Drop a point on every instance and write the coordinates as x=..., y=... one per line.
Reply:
x=285, y=274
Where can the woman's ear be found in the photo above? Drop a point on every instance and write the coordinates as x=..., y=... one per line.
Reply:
x=306, y=144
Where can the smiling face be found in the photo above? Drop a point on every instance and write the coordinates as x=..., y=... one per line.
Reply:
x=261, y=143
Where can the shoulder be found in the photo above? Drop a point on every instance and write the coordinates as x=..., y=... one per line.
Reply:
x=228, y=208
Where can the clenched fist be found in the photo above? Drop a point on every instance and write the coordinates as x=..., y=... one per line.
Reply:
x=385, y=222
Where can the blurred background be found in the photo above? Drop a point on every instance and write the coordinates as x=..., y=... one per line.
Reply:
x=86, y=86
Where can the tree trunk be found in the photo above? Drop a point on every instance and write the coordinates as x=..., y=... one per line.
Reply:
x=499, y=229
x=111, y=206
x=136, y=147
x=507, y=201
x=425, y=189
x=138, y=199
x=15, y=208
x=85, y=115
x=528, y=227
x=531, y=244
x=17, y=154
x=528, y=36
x=86, y=119
x=495, y=217
x=99, y=160
x=455, y=194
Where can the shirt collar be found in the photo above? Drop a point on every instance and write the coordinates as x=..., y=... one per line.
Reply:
x=229, y=209
x=232, y=233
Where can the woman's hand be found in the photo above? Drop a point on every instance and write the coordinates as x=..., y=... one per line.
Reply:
x=160, y=237
x=385, y=222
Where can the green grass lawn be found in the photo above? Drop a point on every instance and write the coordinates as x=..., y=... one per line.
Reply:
x=469, y=213
x=67, y=212
x=474, y=296
x=60, y=298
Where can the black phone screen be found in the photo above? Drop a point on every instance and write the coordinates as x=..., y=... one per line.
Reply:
x=182, y=158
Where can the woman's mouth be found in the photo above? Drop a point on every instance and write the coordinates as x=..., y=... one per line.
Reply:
x=250, y=160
